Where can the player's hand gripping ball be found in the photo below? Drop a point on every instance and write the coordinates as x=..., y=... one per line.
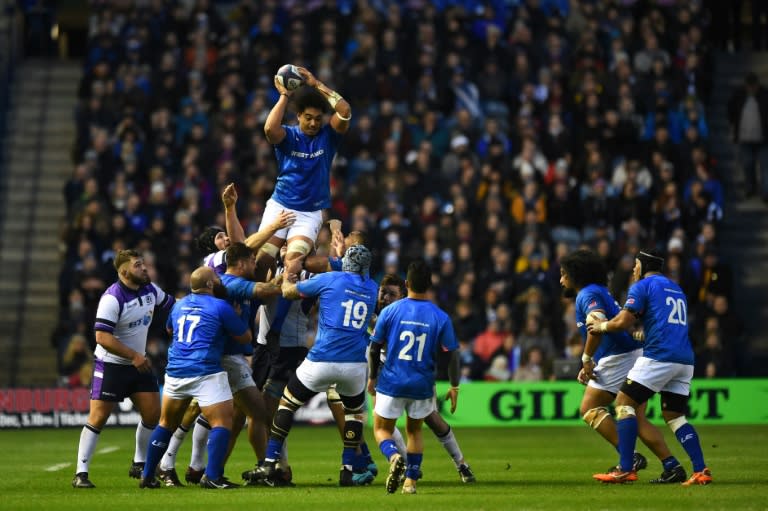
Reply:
x=288, y=76
x=595, y=317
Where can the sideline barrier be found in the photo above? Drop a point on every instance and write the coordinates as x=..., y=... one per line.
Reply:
x=719, y=401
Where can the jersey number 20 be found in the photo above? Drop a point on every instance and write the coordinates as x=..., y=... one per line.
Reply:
x=679, y=314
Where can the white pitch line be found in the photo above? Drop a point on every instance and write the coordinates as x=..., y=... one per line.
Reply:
x=57, y=467
x=61, y=466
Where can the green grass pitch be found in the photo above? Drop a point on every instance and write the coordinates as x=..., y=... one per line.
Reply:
x=517, y=469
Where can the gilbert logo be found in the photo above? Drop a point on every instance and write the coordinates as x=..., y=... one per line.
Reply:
x=157, y=443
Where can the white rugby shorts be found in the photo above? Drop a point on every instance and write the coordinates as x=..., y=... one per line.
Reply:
x=307, y=224
x=208, y=390
x=390, y=407
x=611, y=371
x=350, y=377
x=662, y=376
x=238, y=371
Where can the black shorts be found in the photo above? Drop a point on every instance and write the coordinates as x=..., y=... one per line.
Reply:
x=285, y=366
x=115, y=382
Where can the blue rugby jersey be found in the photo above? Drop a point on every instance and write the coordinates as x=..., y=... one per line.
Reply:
x=347, y=301
x=201, y=325
x=595, y=297
x=663, y=308
x=304, y=168
x=414, y=331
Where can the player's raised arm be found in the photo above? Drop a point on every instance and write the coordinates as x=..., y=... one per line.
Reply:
x=256, y=240
x=273, y=126
x=234, y=228
x=342, y=109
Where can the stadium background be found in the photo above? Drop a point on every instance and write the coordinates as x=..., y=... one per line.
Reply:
x=489, y=137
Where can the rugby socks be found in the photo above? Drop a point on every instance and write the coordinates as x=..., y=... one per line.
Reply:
x=89, y=437
x=169, y=458
x=363, y=459
x=451, y=446
x=627, y=428
x=670, y=463
x=199, y=440
x=388, y=448
x=143, y=432
x=158, y=443
x=365, y=451
x=274, y=448
x=397, y=437
x=689, y=439
x=413, y=468
x=218, y=441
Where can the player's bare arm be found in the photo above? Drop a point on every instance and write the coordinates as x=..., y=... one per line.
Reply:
x=374, y=364
x=290, y=291
x=273, y=126
x=454, y=375
x=113, y=345
x=234, y=228
x=622, y=321
x=256, y=240
x=590, y=347
x=340, y=121
x=266, y=290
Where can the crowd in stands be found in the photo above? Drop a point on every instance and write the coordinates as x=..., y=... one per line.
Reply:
x=489, y=137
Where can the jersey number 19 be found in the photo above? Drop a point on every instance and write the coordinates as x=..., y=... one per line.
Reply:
x=354, y=313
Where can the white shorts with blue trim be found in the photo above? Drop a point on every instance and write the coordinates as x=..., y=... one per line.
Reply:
x=611, y=371
x=208, y=390
x=662, y=376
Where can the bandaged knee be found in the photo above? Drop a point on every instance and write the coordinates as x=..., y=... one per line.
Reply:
x=332, y=396
x=595, y=416
x=624, y=411
x=270, y=249
x=289, y=402
x=299, y=246
x=677, y=423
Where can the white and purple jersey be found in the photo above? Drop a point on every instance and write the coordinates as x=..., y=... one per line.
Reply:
x=304, y=163
x=127, y=313
x=217, y=261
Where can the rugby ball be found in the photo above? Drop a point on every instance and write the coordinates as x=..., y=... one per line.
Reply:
x=288, y=76
x=596, y=317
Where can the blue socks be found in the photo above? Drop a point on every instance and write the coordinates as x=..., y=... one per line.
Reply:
x=627, y=429
x=670, y=463
x=158, y=444
x=274, y=448
x=689, y=439
x=388, y=448
x=413, y=470
x=218, y=441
